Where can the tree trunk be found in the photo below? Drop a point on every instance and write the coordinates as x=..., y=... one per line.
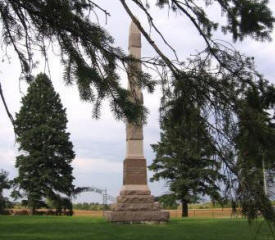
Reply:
x=33, y=210
x=184, y=212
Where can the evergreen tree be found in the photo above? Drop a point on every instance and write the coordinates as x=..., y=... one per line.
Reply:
x=168, y=201
x=255, y=143
x=4, y=184
x=44, y=165
x=185, y=155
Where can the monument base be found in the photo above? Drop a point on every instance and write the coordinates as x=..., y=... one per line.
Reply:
x=135, y=204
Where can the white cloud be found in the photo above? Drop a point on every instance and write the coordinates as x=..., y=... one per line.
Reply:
x=85, y=165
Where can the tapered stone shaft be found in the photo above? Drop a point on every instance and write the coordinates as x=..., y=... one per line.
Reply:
x=134, y=169
x=134, y=133
x=135, y=203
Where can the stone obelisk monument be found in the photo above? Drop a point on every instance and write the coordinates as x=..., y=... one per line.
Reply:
x=135, y=204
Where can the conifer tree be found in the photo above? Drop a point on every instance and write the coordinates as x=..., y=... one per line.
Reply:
x=4, y=184
x=255, y=143
x=46, y=152
x=185, y=155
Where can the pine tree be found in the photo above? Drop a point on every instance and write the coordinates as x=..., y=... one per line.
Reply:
x=255, y=143
x=185, y=155
x=44, y=165
x=4, y=184
x=167, y=201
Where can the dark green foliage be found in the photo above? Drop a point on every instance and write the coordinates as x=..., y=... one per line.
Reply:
x=186, y=156
x=4, y=184
x=86, y=49
x=235, y=125
x=255, y=148
x=46, y=153
x=167, y=201
x=244, y=17
x=63, y=205
x=90, y=206
x=239, y=123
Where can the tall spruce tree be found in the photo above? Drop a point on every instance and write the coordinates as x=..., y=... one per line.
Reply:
x=44, y=165
x=185, y=155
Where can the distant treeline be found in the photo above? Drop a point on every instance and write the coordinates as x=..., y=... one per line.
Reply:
x=99, y=206
x=209, y=205
x=76, y=206
x=168, y=202
x=90, y=206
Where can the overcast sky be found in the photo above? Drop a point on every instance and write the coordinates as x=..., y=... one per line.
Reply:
x=100, y=144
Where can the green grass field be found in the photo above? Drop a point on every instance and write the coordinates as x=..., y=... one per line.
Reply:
x=86, y=228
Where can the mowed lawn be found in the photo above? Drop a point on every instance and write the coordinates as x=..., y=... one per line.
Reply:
x=87, y=228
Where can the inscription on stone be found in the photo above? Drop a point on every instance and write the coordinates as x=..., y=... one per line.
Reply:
x=134, y=171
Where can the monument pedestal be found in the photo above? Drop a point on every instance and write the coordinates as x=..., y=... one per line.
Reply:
x=135, y=204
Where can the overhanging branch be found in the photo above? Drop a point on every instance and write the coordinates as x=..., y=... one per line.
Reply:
x=167, y=61
x=6, y=106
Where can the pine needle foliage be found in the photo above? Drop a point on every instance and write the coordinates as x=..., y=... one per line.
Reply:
x=255, y=143
x=239, y=136
x=244, y=17
x=46, y=152
x=88, y=53
x=185, y=155
x=86, y=49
